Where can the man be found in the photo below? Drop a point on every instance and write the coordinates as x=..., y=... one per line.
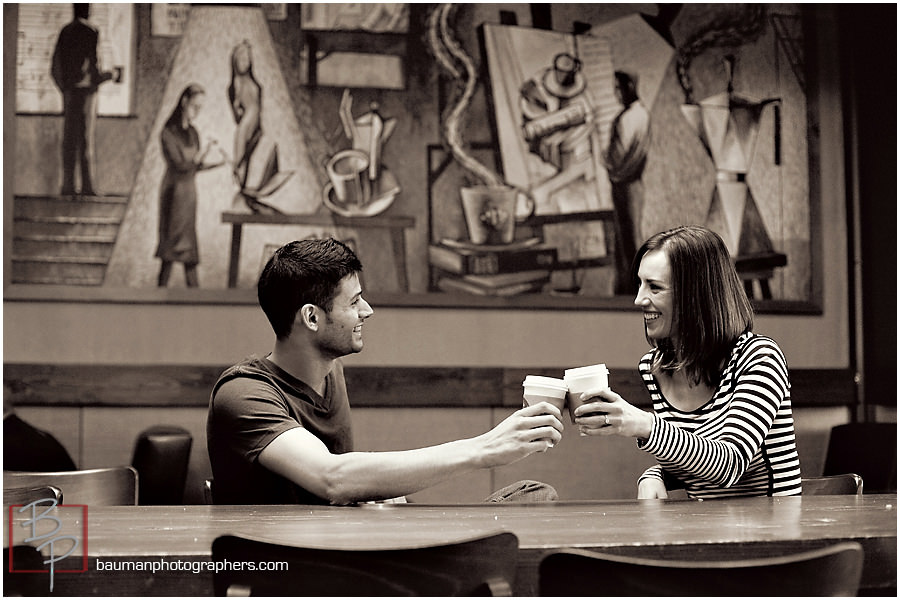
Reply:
x=76, y=73
x=626, y=157
x=278, y=430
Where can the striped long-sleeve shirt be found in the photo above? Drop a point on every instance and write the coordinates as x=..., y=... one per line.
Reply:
x=741, y=442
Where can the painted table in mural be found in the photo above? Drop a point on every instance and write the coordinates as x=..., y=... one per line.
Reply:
x=396, y=225
x=759, y=268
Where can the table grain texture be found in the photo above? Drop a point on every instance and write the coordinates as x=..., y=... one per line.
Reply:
x=685, y=529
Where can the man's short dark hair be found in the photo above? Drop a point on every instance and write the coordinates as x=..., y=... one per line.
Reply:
x=303, y=272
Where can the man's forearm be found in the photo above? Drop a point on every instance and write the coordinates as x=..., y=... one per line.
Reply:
x=361, y=476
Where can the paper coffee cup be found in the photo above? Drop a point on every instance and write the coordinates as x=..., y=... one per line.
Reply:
x=582, y=379
x=544, y=389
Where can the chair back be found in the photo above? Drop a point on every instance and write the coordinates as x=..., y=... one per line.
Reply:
x=484, y=566
x=869, y=449
x=19, y=572
x=830, y=571
x=161, y=457
x=833, y=485
x=26, y=495
x=109, y=486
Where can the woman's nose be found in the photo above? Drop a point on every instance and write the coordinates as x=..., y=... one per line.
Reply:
x=640, y=298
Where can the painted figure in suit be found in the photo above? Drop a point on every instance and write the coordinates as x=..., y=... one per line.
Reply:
x=625, y=159
x=76, y=72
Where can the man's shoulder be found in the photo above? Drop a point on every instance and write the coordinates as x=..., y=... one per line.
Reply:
x=246, y=386
x=83, y=25
x=249, y=369
x=79, y=27
x=253, y=361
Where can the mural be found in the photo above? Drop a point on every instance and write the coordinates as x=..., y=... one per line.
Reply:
x=360, y=183
x=586, y=131
x=520, y=165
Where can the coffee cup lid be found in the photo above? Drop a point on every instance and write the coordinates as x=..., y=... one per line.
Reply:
x=589, y=370
x=551, y=382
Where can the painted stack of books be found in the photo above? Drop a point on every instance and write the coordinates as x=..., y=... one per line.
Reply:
x=522, y=267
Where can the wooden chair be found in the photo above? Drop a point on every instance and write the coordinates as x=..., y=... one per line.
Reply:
x=26, y=495
x=833, y=485
x=107, y=486
x=482, y=566
x=830, y=571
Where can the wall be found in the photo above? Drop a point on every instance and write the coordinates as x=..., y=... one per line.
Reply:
x=151, y=331
x=76, y=332
x=580, y=468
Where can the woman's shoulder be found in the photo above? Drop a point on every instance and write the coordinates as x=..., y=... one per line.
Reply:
x=647, y=360
x=754, y=344
x=751, y=339
x=173, y=129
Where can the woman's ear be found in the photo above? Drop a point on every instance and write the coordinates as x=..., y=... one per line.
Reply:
x=308, y=315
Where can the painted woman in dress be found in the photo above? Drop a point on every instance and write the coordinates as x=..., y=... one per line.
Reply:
x=178, y=192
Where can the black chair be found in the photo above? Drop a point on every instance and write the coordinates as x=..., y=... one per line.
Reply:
x=868, y=449
x=108, y=486
x=833, y=485
x=482, y=566
x=161, y=457
x=24, y=572
x=831, y=571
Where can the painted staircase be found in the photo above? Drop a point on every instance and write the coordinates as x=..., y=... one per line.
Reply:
x=64, y=240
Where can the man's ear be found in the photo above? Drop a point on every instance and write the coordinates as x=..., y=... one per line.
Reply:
x=309, y=316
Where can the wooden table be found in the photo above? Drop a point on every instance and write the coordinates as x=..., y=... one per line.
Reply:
x=734, y=528
x=761, y=268
x=396, y=225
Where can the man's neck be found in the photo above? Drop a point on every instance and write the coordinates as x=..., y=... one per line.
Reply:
x=304, y=363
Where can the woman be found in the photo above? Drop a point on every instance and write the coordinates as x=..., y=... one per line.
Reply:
x=721, y=423
x=178, y=192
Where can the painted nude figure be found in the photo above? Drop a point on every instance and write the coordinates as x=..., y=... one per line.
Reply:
x=245, y=96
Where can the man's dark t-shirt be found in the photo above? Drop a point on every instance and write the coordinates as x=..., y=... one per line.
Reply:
x=251, y=404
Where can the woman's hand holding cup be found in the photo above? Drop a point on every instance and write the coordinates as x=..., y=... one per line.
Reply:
x=584, y=379
x=604, y=412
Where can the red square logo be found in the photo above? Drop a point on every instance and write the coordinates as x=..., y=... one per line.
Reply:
x=41, y=527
